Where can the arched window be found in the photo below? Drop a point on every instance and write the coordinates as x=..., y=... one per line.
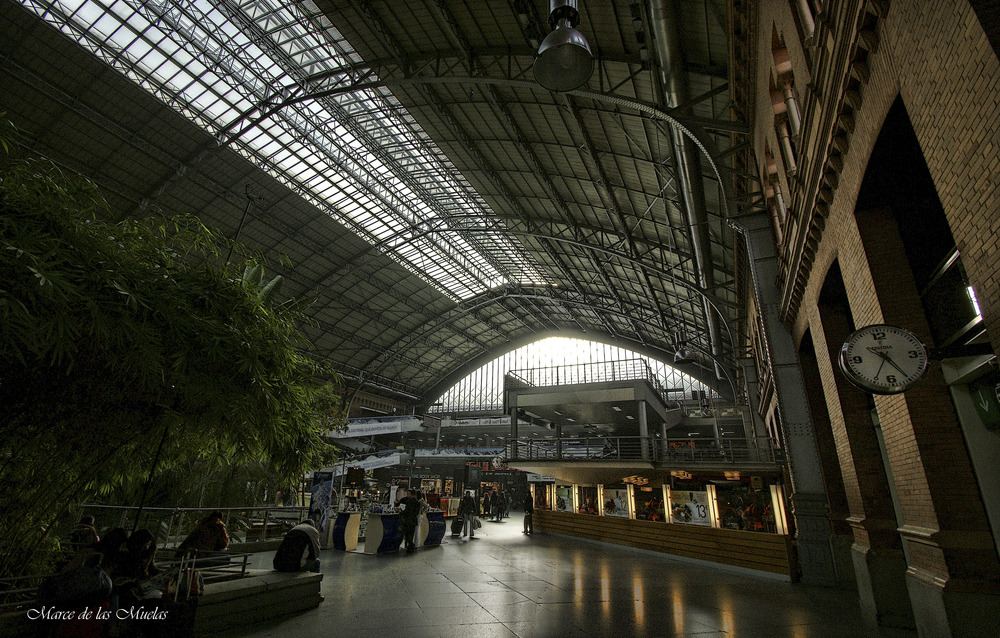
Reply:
x=482, y=390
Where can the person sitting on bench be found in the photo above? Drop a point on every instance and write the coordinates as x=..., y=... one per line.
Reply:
x=297, y=541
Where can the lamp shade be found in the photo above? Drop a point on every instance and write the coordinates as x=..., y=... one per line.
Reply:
x=683, y=355
x=564, y=59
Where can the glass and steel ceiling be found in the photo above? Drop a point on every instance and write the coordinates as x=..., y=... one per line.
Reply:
x=482, y=389
x=357, y=155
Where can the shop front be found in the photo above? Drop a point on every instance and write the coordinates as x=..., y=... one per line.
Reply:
x=726, y=518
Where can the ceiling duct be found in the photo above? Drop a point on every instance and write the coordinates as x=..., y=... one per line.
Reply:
x=687, y=162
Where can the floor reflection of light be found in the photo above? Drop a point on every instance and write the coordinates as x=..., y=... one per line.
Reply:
x=678, y=603
x=726, y=608
x=578, y=575
x=640, y=603
x=799, y=622
x=605, y=590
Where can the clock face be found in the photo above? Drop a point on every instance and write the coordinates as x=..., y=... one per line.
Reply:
x=883, y=359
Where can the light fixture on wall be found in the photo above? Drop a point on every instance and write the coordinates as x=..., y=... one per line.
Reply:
x=682, y=355
x=564, y=60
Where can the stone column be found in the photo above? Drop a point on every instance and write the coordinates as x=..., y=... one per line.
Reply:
x=879, y=564
x=953, y=573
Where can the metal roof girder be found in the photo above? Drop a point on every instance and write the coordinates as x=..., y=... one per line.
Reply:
x=612, y=201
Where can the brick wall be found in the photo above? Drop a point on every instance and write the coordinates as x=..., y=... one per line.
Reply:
x=935, y=55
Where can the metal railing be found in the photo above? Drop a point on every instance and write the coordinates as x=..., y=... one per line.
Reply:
x=647, y=449
x=170, y=525
x=22, y=591
x=571, y=374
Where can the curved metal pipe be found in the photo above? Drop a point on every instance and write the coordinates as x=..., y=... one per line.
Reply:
x=663, y=18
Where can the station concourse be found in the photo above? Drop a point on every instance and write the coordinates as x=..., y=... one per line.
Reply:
x=509, y=585
x=771, y=224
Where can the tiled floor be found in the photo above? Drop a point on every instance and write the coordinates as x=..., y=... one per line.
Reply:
x=506, y=584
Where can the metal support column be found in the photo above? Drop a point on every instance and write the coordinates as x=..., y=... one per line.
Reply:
x=643, y=431
x=809, y=502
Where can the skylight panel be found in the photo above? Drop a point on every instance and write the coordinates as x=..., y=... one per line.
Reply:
x=213, y=62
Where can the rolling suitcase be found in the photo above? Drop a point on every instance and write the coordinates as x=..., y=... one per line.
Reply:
x=456, y=526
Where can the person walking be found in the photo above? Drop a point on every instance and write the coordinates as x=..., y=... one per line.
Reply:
x=529, y=509
x=486, y=504
x=494, y=506
x=468, y=510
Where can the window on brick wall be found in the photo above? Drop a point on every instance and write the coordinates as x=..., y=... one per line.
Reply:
x=898, y=179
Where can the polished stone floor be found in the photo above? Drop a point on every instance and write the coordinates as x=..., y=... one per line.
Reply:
x=505, y=584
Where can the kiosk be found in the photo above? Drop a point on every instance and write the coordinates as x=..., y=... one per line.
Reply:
x=430, y=529
x=384, y=533
x=346, y=529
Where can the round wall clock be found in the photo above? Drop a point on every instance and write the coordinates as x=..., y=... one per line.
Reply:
x=883, y=359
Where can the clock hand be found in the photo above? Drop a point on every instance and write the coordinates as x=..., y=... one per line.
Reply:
x=886, y=357
x=879, y=369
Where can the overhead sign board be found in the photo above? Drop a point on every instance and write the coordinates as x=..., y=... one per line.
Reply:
x=985, y=393
x=375, y=426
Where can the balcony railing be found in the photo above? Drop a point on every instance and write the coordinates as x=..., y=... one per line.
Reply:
x=647, y=449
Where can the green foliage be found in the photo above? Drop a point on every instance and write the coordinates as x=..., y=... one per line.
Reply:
x=115, y=336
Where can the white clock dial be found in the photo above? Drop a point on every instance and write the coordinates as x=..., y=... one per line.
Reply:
x=883, y=359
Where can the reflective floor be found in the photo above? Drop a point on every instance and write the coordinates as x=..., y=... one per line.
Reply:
x=506, y=584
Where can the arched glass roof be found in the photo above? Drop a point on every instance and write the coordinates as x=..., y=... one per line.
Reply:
x=357, y=154
x=482, y=390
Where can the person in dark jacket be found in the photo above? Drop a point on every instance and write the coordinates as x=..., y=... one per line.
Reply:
x=468, y=510
x=486, y=504
x=302, y=538
x=409, y=516
x=208, y=536
x=112, y=551
x=529, y=509
x=140, y=550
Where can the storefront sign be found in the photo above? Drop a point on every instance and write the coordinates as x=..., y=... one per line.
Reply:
x=458, y=452
x=372, y=462
x=538, y=478
x=497, y=420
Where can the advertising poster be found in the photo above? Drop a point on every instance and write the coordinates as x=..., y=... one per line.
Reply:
x=319, y=505
x=564, y=498
x=588, y=500
x=616, y=503
x=690, y=508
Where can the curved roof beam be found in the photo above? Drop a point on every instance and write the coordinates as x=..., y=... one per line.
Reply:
x=678, y=122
